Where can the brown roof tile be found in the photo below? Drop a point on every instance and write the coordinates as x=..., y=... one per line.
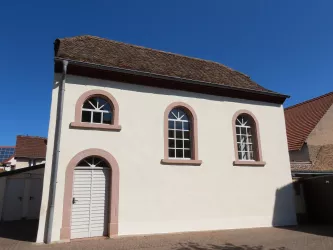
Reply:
x=30, y=146
x=96, y=50
x=302, y=118
x=322, y=163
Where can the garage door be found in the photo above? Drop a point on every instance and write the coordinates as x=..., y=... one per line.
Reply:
x=90, y=199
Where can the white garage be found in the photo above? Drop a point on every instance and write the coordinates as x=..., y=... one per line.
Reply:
x=20, y=193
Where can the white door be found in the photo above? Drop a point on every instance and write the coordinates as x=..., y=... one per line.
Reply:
x=35, y=198
x=90, y=201
x=13, y=202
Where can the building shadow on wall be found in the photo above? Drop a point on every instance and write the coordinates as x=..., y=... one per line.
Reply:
x=318, y=195
x=226, y=246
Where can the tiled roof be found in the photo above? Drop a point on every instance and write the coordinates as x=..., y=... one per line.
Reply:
x=96, y=50
x=302, y=118
x=322, y=163
x=30, y=146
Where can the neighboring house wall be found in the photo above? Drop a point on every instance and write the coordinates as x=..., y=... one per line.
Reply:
x=322, y=134
x=156, y=198
x=300, y=155
x=24, y=162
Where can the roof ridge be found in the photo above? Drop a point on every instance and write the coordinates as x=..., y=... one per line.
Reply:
x=32, y=136
x=156, y=50
x=310, y=100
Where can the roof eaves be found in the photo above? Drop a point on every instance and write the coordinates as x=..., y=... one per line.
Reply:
x=166, y=77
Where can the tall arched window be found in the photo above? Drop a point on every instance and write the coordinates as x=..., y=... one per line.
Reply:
x=180, y=135
x=179, y=131
x=97, y=109
x=247, y=140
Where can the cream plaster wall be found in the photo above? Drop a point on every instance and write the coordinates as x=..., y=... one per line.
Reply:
x=24, y=162
x=322, y=134
x=157, y=198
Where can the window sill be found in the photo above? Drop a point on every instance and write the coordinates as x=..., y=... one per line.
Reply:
x=181, y=162
x=250, y=163
x=82, y=125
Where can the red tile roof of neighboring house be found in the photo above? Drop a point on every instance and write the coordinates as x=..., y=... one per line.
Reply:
x=30, y=147
x=100, y=51
x=302, y=118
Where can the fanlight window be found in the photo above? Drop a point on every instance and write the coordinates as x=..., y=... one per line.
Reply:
x=93, y=162
x=246, y=144
x=179, y=134
x=97, y=110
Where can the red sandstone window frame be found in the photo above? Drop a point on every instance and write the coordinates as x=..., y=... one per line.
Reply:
x=258, y=160
x=114, y=126
x=194, y=136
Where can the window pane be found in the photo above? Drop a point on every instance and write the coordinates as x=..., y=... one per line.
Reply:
x=251, y=156
x=249, y=131
x=244, y=156
x=171, y=124
x=106, y=107
x=171, y=143
x=179, y=144
x=187, y=153
x=187, y=135
x=187, y=144
x=171, y=133
x=93, y=101
x=179, y=134
x=86, y=116
x=243, y=131
x=237, y=130
x=240, y=155
x=107, y=118
x=171, y=153
x=179, y=153
x=250, y=147
x=186, y=125
x=249, y=139
x=238, y=138
x=239, y=147
x=178, y=125
x=97, y=117
x=87, y=105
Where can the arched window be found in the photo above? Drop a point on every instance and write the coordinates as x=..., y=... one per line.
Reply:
x=97, y=109
x=247, y=142
x=180, y=135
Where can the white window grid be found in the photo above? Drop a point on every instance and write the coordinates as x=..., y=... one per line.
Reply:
x=179, y=119
x=97, y=109
x=244, y=139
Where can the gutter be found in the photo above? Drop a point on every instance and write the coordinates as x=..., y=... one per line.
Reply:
x=55, y=156
x=164, y=77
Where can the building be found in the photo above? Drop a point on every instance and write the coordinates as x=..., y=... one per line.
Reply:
x=310, y=142
x=30, y=151
x=153, y=142
x=7, y=161
x=310, y=136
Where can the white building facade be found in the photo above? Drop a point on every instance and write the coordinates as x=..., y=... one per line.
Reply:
x=138, y=159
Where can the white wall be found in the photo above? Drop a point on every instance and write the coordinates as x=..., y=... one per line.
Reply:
x=157, y=198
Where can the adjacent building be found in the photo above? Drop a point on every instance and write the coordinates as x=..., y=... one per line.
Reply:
x=154, y=142
x=30, y=151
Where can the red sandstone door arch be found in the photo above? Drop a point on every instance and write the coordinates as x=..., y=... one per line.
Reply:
x=65, y=232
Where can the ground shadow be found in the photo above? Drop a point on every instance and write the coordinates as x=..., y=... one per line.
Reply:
x=226, y=246
x=22, y=230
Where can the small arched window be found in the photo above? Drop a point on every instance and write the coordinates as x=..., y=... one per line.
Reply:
x=247, y=139
x=180, y=135
x=97, y=110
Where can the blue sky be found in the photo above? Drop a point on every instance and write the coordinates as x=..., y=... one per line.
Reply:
x=284, y=45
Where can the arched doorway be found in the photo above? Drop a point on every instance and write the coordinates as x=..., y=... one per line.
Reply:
x=91, y=196
x=90, y=201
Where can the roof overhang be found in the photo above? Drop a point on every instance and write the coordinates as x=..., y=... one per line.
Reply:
x=21, y=170
x=161, y=81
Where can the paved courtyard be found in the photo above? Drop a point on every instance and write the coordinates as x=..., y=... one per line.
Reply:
x=300, y=238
